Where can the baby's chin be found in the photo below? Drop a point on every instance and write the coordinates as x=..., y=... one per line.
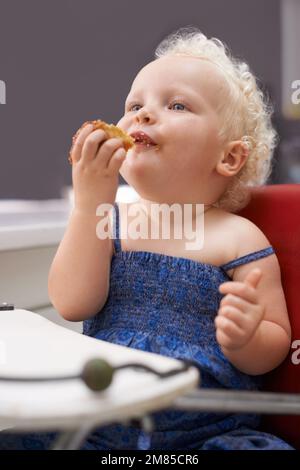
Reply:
x=134, y=176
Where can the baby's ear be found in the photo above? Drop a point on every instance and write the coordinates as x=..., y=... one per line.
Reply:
x=233, y=158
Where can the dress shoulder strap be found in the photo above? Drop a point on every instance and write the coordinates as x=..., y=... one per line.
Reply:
x=248, y=258
x=116, y=228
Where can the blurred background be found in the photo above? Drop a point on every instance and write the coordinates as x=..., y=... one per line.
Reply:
x=63, y=62
x=68, y=61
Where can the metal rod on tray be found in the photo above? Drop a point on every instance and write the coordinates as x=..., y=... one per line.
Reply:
x=239, y=401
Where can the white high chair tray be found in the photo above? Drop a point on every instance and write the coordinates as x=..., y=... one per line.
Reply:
x=31, y=345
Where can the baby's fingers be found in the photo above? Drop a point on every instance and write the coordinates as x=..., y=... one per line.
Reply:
x=235, y=315
x=92, y=145
x=236, y=301
x=239, y=289
x=228, y=333
x=107, y=150
x=78, y=141
x=116, y=160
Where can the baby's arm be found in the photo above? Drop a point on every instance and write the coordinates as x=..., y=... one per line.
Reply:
x=252, y=324
x=78, y=281
x=79, y=276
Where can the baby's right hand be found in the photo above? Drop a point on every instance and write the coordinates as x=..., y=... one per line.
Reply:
x=96, y=160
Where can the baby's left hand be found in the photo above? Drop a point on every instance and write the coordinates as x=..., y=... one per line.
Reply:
x=240, y=313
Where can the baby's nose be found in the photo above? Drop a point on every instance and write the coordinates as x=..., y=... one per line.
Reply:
x=143, y=115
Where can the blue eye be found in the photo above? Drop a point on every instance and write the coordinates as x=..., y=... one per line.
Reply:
x=180, y=104
x=130, y=109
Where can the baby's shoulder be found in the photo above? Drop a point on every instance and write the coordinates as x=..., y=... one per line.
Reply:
x=248, y=236
x=244, y=232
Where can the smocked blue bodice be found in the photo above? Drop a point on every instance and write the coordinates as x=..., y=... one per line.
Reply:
x=167, y=305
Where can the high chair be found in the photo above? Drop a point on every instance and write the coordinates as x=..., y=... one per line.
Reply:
x=275, y=209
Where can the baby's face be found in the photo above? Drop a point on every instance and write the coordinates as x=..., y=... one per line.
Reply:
x=175, y=101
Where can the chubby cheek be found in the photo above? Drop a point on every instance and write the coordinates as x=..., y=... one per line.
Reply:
x=123, y=123
x=184, y=149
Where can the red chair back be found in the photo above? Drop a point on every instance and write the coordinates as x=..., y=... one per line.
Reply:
x=275, y=209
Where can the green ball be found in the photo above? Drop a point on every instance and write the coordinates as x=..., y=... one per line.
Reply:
x=97, y=374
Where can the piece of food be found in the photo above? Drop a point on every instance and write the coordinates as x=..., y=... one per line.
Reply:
x=114, y=131
x=111, y=130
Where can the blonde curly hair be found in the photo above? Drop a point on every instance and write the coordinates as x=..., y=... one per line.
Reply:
x=246, y=111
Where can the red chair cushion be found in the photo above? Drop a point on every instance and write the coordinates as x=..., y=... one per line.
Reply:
x=275, y=209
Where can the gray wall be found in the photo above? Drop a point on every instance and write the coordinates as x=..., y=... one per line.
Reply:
x=68, y=61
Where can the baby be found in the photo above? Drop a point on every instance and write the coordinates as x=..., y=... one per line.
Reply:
x=206, y=138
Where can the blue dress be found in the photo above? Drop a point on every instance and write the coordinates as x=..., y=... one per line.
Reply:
x=167, y=305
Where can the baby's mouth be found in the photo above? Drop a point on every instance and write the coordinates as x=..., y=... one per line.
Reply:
x=144, y=147
x=144, y=144
x=141, y=138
